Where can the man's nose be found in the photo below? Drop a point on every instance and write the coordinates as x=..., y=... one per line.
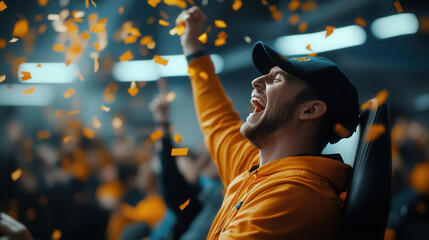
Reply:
x=259, y=83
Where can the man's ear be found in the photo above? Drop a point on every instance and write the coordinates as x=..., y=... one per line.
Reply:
x=313, y=110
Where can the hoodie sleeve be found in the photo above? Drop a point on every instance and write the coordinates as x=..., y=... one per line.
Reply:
x=231, y=152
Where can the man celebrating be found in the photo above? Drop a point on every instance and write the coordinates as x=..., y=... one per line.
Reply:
x=278, y=185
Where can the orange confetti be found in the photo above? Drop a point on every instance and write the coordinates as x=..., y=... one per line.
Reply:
x=177, y=138
x=72, y=112
x=3, y=43
x=398, y=6
x=25, y=76
x=204, y=75
x=237, y=5
x=89, y=133
x=294, y=19
x=153, y=3
x=220, y=23
x=203, y=38
x=66, y=139
x=179, y=3
x=163, y=22
x=329, y=30
x=160, y=60
x=302, y=27
x=85, y=35
x=42, y=29
x=28, y=91
x=2, y=78
x=359, y=21
x=80, y=76
x=179, y=30
x=309, y=6
x=21, y=28
x=374, y=132
x=43, y=2
x=93, y=3
x=59, y=47
x=164, y=15
x=121, y=10
x=96, y=122
x=341, y=130
x=57, y=233
x=220, y=42
x=39, y=65
x=44, y=134
x=69, y=92
x=222, y=35
x=96, y=64
x=185, y=204
x=312, y=54
x=191, y=71
x=2, y=6
x=104, y=108
x=126, y=56
x=191, y=2
x=276, y=14
x=156, y=135
x=294, y=5
x=38, y=18
x=16, y=174
x=308, y=47
x=133, y=89
x=382, y=96
x=179, y=151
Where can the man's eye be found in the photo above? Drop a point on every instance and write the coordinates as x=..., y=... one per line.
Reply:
x=277, y=80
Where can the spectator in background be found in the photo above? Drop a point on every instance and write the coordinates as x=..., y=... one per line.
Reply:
x=197, y=181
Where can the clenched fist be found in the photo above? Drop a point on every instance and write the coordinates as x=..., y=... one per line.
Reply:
x=194, y=21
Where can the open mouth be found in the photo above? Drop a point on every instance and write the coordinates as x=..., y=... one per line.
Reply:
x=258, y=103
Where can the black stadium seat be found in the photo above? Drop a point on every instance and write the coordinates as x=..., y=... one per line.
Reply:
x=367, y=203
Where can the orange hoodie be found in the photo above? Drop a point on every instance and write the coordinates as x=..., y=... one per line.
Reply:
x=291, y=198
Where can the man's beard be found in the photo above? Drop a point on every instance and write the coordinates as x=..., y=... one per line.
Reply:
x=263, y=133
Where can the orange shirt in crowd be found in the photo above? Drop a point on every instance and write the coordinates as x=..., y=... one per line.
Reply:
x=291, y=198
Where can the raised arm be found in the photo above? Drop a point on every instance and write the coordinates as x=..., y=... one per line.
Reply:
x=232, y=153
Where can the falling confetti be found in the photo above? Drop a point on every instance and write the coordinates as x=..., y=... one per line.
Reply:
x=44, y=134
x=360, y=21
x=308, y=47
x=179, y=151
x=374, y=132
x=309, y=6
x=177, y=138
x=382, y=96
x=104, y=108
x=2, y=6
x=294, y=19
x=220, y=42
x=329, y=30
x=80, y=76
x=220, y=23
x=302, y=27
x=185, y=204
x=160, y=60
x=341, y=130
x=69, y=92
x=163, y=22
x=72, y=112
x=294, y=5
x=2, y=78
x=126, y=56
x=39, y=65
x=312, y=54
x=57, y=233
x=96, y=122
x=42, y=29
x=13, y=40
x=3, y=43
x=203, y=38
x=237, y=5
x=398, y=6
x=247, y=39
x=66, y=139
x=153, y=3
x=43, y=2
x=25, y=76
x=93, y=3
x=28, y=91
x=89, y=133
x=21, y=28
x=133, y=89
x=16, y=174
x=121, y=10
x=156, y=135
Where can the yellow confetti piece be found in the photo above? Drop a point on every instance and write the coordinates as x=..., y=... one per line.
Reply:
x=276, y=14
x=126, y=56
x=30, y=214
x=16, y=174
x=121, y=10
x=25, y=76
x=179, y=151
x=170, y=96
x=133, y=89
x=308, y=47
x=220, y=23
x=85, y=35
x=2, y=6
x=302, y=27
x=96, y=122
x=44, y=134
x=160, y=60
x=93, y=3
x=177, y=138
x=398, y=6
x=191, y=71
x=68, y=62
x=42, y=29
x=69, y=92
x=163, y=22
x=179, y=3
x=164, y=15
x=294, y=5
x=57, y=233
x=204, y=75
x=237, y=5
x=13, y=40
x=156, y=135
x=309, y=6
x=382, y=96
x=3, y=43
x=72, y=112
x=329, y=30
x=2, y=78
x=38, y=18
x=341, y=130
x=374, y=132
x=39, y=65
x=28, y=91
x=89, y=133
x=312, y=54
x=220, y=42
x=96, y=64
x=203, y=38
x=191, y=2
x=185, y=204
x=179, y=30
x=43, y=2
x=359, y=21
x=80, y=76
x=66, y=139
x=21, y=28
x=294, y=19
x=104, y=108
x=153, y=3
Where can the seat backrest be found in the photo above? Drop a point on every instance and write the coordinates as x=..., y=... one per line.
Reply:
x=367, y=204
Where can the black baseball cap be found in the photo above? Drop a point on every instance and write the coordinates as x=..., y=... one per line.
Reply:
x=329, y=82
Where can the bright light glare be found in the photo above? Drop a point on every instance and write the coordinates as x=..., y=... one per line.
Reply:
x=11, y=95
x=395, y=25
x=148, y=70
x=341, y=38
x=49, y=72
